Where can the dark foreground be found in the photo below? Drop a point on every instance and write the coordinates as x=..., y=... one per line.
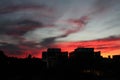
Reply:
x=82, y=64
x=35, y=72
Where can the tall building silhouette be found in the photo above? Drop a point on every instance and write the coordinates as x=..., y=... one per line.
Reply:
x=54, y=57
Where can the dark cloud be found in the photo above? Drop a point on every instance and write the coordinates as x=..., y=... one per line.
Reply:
x=48, y=41
x=100, y=6
x=14, y=24
x=21, y=48
x=11, y=48
x=15, y=8
x=20, y=27
x=111, y=38
x=103, y=4
x=31, y=45
x=28, y=23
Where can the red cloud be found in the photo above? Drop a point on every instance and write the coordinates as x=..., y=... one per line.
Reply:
x=79, y=22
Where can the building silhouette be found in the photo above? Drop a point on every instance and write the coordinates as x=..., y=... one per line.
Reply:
x=86, y=57
x=54, y=57
x=97, y=54
x=116, y=57
x=82, y=53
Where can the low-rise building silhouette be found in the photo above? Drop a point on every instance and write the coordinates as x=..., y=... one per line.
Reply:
x=86, y=57
x=85, y=53
x=82, y=53
x=97, y=54
x=116, y=57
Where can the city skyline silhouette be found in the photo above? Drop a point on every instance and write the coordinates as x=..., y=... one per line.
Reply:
x=82, y=63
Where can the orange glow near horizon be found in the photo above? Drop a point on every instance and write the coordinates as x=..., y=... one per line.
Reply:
x=108, y=47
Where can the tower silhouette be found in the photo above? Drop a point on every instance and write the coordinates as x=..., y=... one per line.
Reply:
x=3, y=57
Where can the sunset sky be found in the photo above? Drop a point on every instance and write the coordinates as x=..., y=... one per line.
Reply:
x=32, y=26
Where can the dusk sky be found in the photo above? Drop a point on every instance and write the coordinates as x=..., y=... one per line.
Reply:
x=32, y=26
